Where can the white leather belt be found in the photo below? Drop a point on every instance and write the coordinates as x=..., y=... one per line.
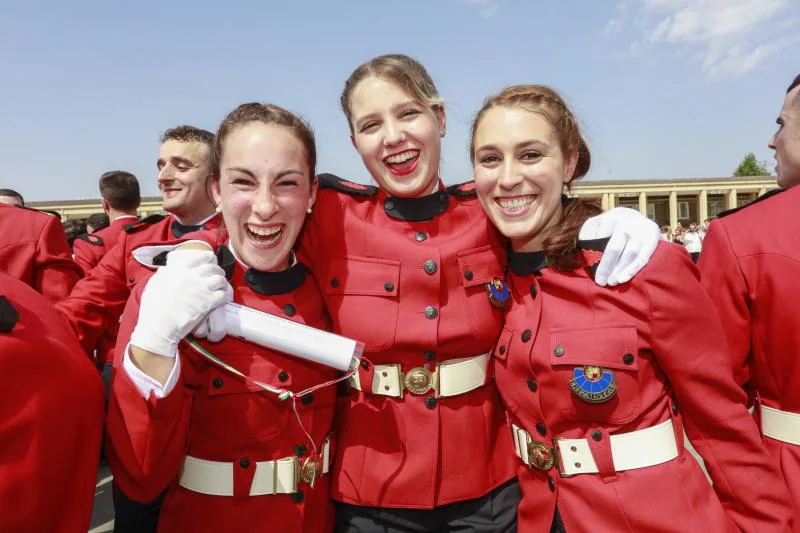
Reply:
x=449, y=378
x=637, y=449
x=780, y=425
x=281, y=476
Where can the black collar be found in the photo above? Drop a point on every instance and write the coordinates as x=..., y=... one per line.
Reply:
x=527, y=263
x=271, y=283
x=268, y=283
x=417, y=209
x=179, y=230
x=226, y=260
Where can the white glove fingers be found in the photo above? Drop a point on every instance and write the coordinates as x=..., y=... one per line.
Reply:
x=611, y=255
x=625, y=268
x=217, y=324
x=188, y=258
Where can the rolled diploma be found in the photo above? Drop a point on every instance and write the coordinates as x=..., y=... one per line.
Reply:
x=292, y=338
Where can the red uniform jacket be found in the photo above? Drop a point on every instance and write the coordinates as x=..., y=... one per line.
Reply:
x=34, y=249
x=51, y=418
x=661, y=338
x=97, y=301
x=88, y=250
x=213, y=414
x=414, y=293
x=751, y=268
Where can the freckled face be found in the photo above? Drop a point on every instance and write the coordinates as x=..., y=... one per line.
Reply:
x=264, y=189
x=520, y=172
x=398, y=139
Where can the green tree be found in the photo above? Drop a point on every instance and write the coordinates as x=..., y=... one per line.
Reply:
x=750, y=166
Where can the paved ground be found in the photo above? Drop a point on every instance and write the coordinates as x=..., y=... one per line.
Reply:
x=103, y=511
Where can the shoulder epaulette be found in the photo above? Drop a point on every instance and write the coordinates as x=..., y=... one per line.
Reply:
x=133, y=227
x=591, y=251
x=764, y=196
x=43, y=211
x=91, y=238
x=463, y=190
x=330, y=181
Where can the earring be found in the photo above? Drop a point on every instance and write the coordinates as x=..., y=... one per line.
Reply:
x=218, y=209
x=308, y=210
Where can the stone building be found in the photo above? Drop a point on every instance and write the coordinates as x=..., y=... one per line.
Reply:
x=667, y=201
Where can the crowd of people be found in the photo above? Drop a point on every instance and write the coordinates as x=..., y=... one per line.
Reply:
x=526, y=362
x=690, y=237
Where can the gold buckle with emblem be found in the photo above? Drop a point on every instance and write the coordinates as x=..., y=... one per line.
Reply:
x=420, y=381
x=306, y=471
x=540, y=456
x=544, y=457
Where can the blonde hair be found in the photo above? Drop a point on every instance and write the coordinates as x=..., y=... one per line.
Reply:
x=405, y=72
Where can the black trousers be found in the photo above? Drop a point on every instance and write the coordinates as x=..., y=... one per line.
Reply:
x=494, y=513
x=131, y=516
x=558, y=525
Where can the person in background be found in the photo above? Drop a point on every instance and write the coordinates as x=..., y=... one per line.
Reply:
x=121, y=198
x=11, y=197
x=73, y=228
x=34, y=250
x=704, y=228
x=96, y=222
x=598, y=386
x=692, y=242
x=51, y=417
x=95, y=305
x=751, y=268
x=666, y=234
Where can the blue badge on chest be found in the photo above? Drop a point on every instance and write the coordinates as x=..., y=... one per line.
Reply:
x=593, y=384
x=498, y=293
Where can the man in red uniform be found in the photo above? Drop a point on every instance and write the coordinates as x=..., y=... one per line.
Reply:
x=751, y=268
x=33, y=249
x=121, y=198
x=96, y=304
x=51, y=417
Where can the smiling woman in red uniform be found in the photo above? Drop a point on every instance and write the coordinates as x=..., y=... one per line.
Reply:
x=600, y=382
x=421, y=440
x=235, y=457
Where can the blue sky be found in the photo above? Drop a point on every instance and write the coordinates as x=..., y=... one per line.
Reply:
x=664, y=88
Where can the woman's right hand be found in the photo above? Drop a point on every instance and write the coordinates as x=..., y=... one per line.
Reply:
x=176, y=299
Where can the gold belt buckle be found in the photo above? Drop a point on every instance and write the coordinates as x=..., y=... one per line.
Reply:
x=419, y=380
x=306, y=471
x=540, y=456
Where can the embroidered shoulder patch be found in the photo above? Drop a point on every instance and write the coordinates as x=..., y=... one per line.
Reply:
x=463, y=190
x=91, y=238
x=133, y=227
x=331, y=181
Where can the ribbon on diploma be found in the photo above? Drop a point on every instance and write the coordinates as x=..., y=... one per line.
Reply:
x=292, y=338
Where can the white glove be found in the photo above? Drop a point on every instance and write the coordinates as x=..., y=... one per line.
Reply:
x=633, y=241
x=215, y=326
x=177, y=298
